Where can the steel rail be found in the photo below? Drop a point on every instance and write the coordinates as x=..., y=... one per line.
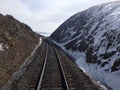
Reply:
x=43, y=70
x=66, y=83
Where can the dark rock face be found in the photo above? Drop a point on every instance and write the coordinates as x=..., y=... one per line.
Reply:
x=96, y=33
x=91, y=31
x=18, y=41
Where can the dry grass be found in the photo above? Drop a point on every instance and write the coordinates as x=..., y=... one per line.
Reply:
x=18, y=42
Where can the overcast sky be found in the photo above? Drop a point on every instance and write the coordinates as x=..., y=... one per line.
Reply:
x=45, y=15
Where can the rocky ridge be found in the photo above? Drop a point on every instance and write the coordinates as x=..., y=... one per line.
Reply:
x=17, y=41
x=92, y=38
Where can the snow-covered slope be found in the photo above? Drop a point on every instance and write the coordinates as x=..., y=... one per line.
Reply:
x=92, y=38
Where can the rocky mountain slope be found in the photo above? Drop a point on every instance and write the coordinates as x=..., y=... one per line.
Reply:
x=92, y=38
x=17, y=41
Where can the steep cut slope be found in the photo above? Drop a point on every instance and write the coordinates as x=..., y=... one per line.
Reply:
x=92, y=38
x=17, y=41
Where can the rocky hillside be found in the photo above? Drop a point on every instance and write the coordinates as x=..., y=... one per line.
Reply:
x=92, y=38
x=17, y=41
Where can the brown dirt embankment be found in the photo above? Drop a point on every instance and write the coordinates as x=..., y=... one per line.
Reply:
x=18, y=41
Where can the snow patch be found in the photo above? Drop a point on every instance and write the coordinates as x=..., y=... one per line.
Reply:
x=40, y=41
x=1, y=47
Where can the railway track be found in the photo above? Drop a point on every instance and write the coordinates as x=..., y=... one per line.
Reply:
x=51, y=69
x=53, y=76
